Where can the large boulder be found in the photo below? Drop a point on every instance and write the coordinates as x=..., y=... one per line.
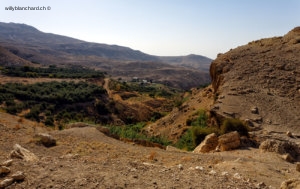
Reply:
x=208, y=144
x=229, y=141
x=46, y=139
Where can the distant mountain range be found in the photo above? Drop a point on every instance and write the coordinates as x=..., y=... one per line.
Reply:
x=21, y=44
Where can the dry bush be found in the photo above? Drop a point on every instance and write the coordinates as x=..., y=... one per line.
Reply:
x=152, y=155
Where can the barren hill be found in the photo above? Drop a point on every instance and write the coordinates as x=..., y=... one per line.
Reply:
x=260, y=83
x=32, y=45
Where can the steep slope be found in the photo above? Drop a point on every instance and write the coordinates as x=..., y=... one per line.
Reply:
x=7, y=59
x=28, y=43
x=260, y=83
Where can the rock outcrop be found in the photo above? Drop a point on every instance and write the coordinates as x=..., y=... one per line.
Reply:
x=291, y=184
x=259, y=82
x=22, y=153
x=229, y=141
x=290, y=150
x=209, y=144
x=226, y=142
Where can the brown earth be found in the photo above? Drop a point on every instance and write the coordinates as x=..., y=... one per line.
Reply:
x=258, y=83
x=86, y=158
x=262, y=75
x=173, y=125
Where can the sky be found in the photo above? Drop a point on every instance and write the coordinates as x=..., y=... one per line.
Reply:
x=160, y=27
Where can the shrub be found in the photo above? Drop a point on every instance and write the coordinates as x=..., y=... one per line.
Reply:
x=199, y=134
x=186, y=141
x=230, y=125
x=201, y=119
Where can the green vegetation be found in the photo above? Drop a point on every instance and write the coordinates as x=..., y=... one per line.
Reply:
x=196, y=133
x=198, y=130
x=134, y=131
x=152, y=89
x=55, y=101
x=52, y=72
x=230, y=125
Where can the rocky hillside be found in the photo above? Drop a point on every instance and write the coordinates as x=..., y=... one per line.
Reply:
x=260, y=83
x=7, y=58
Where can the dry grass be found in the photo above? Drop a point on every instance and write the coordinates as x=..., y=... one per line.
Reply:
x=152, y=155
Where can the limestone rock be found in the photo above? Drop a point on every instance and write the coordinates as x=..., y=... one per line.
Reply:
x=46, y=139
x=22, y=153
x=6, y=182
x=254, y=110
x=7, y=163
x=289, y=134
x=4, y=170
x=229, y=141
x=173, y=149
x=290, y=184
x=18, y=176
x=208, y=144
x=288, y=158
x=280, y=147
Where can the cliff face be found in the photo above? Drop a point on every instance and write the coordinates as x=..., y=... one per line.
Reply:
x=262, y=75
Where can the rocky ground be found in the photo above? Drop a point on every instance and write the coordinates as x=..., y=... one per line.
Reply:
x=86, y=158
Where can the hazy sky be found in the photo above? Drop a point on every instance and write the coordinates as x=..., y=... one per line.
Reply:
x=161, y=27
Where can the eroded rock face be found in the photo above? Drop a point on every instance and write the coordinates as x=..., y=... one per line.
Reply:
x=289, y=149
x=260, y=81
x=212, y=142
x=291, y=184
x=229, y=141
x=209, y=144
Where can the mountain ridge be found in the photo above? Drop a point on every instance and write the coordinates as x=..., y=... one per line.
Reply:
x=35, y=46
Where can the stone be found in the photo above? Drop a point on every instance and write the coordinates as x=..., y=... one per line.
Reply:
x=4, y=170
x=18, y=176
x=237, y=176
x=261, y=185
x=254, y=110
x=212, y=172
x=280, y=147
x=173, y=149
x=6, y=182
x=288, y=158
x=289, y=134
x=229, y=141
x=46, y=139
x=22, y=153
x=199, y=168
x=298, y=167
x=290, y=184
x=180, y=166
x=7, y=163
x=208, y=144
